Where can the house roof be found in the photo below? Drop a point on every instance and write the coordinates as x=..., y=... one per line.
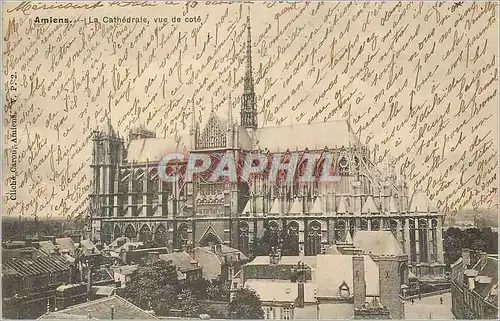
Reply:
x=334, y=134
x=47, y=247
x=126, y=269
x=223, y=251
x=333, y=270
x=377, y=242
x=101, y=309
x=281, y=291
x=66, y=243
x=181, y=260
x=488, y=290
x=38, y=266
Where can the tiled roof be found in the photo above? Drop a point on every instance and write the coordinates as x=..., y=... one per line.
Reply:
x=377, y=242
x=181, y=260
x=38, y=266
x=101, y=309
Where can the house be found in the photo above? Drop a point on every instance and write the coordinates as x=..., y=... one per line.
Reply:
x=474, y=286
x=66, y=245
x=185, y=264
x=332, y=287
x=27, y=284
x=122, y=274
x=219, y=262
x=113, y=307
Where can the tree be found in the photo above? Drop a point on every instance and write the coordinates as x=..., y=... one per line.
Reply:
x=246, y=305
x=155, y=286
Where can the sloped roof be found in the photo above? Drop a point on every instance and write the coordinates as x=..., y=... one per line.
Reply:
x=297, y=206
x=280, y=291
x=181, y=260
x=489, y=290
x=334, y=134
x=38, y=266
x=125, y=269
x=154, y=149
x=333, y=270
x=101, y=309
x=286, y=260
x=66, y=243
x=377, y=242
x=47, y=247
x=420, y=203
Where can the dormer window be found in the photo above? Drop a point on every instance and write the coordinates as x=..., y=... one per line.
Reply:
x=344, y=291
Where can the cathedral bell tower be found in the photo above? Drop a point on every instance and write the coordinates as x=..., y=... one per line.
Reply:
x=248, y=108
x=107, y=155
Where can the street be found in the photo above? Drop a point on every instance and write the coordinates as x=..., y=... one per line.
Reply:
x=429, y=308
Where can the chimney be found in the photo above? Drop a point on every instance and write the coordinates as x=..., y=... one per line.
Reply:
x=153, y=257
x=466, y=257
x=301, y=278
x=112, y=312
x=358, y=281
x=390, y=284
x=483, y=259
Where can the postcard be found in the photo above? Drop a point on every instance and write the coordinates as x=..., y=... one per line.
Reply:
x=250, y=160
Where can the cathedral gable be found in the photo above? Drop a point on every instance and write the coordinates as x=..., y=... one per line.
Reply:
x=214, y=134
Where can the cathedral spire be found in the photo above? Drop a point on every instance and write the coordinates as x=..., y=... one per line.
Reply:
x=248, y=109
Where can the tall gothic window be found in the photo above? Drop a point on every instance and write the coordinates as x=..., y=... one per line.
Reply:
x=394, y=227
x=130, y=232
x=352, y=226
x=313, y=245
x=340, y=231
x=434, y=240
x=343, y=166
x=413, y=246
x=364, y=225
x=375, y=226
x=160, y=238
x=243, y=237
x=291, y=240
x=182, y=236
x=145, y=233
x=117, y=232
x=423, y=241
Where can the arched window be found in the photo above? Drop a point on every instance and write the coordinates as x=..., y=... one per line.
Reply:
x=413, y=246
x=352, y=226
x=145, y=233
x=313, y=245
x=117, y=232
x=434, y=240
x=343, y=166
x=130, y=232
x=423, y=241
x=340, y=231
x=243, y=237
x=160, y=238
x=291, y=240
x=375, y=226
x=364, y=225
x=182, y=236
x=394, y=227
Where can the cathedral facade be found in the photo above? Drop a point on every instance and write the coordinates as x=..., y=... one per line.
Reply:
x=130, y=199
